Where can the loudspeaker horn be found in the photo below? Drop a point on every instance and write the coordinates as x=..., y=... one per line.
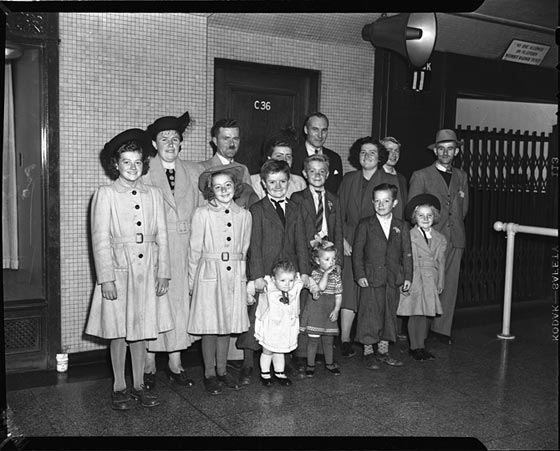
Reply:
x=411, y=35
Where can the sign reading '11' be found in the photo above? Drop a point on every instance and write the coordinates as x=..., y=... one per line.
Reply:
x=262, y=105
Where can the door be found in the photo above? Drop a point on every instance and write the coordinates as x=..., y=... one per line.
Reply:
x=263, y=99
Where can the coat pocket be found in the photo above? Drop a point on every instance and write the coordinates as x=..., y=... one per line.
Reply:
x=209, y=270
x=120, y=260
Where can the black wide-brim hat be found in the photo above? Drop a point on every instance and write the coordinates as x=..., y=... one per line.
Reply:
x=236, y=169
x=420, y=199
x=132, y=134
x=169, y=123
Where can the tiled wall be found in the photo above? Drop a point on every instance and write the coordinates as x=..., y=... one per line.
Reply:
x=346, y=91
x=124, y=70
x=117, y=71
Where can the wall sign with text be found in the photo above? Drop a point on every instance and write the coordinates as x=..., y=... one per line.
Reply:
x=263, y=105
x=526, y=52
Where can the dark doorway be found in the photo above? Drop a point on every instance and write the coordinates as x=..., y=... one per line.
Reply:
x=263, y=99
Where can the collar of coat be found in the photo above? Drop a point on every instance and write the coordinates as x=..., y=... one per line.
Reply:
x=123, y=187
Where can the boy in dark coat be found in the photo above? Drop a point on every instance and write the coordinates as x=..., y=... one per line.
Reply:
x=382, y=262
x=278, y=233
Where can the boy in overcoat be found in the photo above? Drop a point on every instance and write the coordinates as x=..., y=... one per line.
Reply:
x=382, y=263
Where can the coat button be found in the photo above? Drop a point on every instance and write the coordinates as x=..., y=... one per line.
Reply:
x=139, y=223
x=140, y=255
x=228, y=238
x=226, y=212
x=229, y=224
x=134, y=193
x=229, y=268
x=137, y=207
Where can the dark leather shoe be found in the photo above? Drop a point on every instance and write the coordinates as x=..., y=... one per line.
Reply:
x=347, y=349
x=386, y=358
x=416, y=354
x=121, y=400
x=149, y=381
x=245, y=375
x=427, y=355
x=228, y=381
x=212, y=386
x=180, y=378
x=284, y=381
x=310, y=371
x=144, y=397
x=333, y=368
x=267, y=381
x=370, y=363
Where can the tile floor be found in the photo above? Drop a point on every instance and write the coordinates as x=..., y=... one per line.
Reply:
x=503, y=394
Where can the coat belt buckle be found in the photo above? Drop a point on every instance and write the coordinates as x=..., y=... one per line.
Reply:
x=225, y=256
x=139, y=238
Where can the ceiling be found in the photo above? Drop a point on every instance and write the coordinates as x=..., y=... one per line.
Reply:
x=485, y=33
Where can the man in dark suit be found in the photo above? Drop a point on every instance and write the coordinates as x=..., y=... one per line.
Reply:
x=450, y=186
x=316, y=130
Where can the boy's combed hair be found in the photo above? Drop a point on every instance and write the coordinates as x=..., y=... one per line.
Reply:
x=320, y=157
x=282, y=265
x=356, y=148
x=322, y=246
x=110, y=162
x=208, y=192
x=435, y=212
x=273, y=167
x=386, y=187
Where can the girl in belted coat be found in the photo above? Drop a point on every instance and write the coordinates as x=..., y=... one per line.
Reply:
x=422, y=302
x=220, y=237
x=130, y=249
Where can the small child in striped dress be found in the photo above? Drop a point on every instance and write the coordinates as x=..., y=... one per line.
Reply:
x=320, y=316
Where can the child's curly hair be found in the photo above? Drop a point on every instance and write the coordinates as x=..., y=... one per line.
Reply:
x=322, y=246
x=283, y=265
x=208, y=192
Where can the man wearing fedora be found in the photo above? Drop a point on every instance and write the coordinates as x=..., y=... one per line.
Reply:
x=450, y=186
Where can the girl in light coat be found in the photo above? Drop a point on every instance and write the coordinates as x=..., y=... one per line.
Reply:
x=422, y=301
x=220, y=237
x=130, y=249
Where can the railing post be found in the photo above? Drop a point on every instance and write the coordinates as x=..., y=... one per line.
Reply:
x=510, y=236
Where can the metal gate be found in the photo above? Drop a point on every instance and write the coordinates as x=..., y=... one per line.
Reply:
x=510, y=179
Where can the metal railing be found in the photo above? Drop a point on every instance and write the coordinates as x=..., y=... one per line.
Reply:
x=511, y=229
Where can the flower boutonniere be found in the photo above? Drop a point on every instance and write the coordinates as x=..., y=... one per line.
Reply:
x=330, y=204
x=461, y=193
x=396, y=230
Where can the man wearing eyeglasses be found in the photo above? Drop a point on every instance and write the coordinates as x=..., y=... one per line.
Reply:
x=450, y=185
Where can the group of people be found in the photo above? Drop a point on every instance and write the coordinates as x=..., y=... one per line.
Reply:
x=274, y=261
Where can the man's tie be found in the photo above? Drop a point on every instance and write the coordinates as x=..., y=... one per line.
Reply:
x=319, y=217
x=279, y=210
x=171, y=178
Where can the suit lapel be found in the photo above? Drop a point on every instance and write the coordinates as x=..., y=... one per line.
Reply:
x=437, y=176
x=271, y=214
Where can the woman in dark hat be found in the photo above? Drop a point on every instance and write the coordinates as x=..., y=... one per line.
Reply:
x=221, y=232
x=130, y=249
x=177, y=180
x=422, y=301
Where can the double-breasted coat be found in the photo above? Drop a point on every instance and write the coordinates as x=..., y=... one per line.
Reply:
x=179, y=208
x=130, y=248
x=355, y=204
x=428, y=275
x=219, y=242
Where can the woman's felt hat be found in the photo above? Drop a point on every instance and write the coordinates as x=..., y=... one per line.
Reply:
x=443, y=136
x=169, y=123
x=236, y=169
x=421, y=199
x=132, y=134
